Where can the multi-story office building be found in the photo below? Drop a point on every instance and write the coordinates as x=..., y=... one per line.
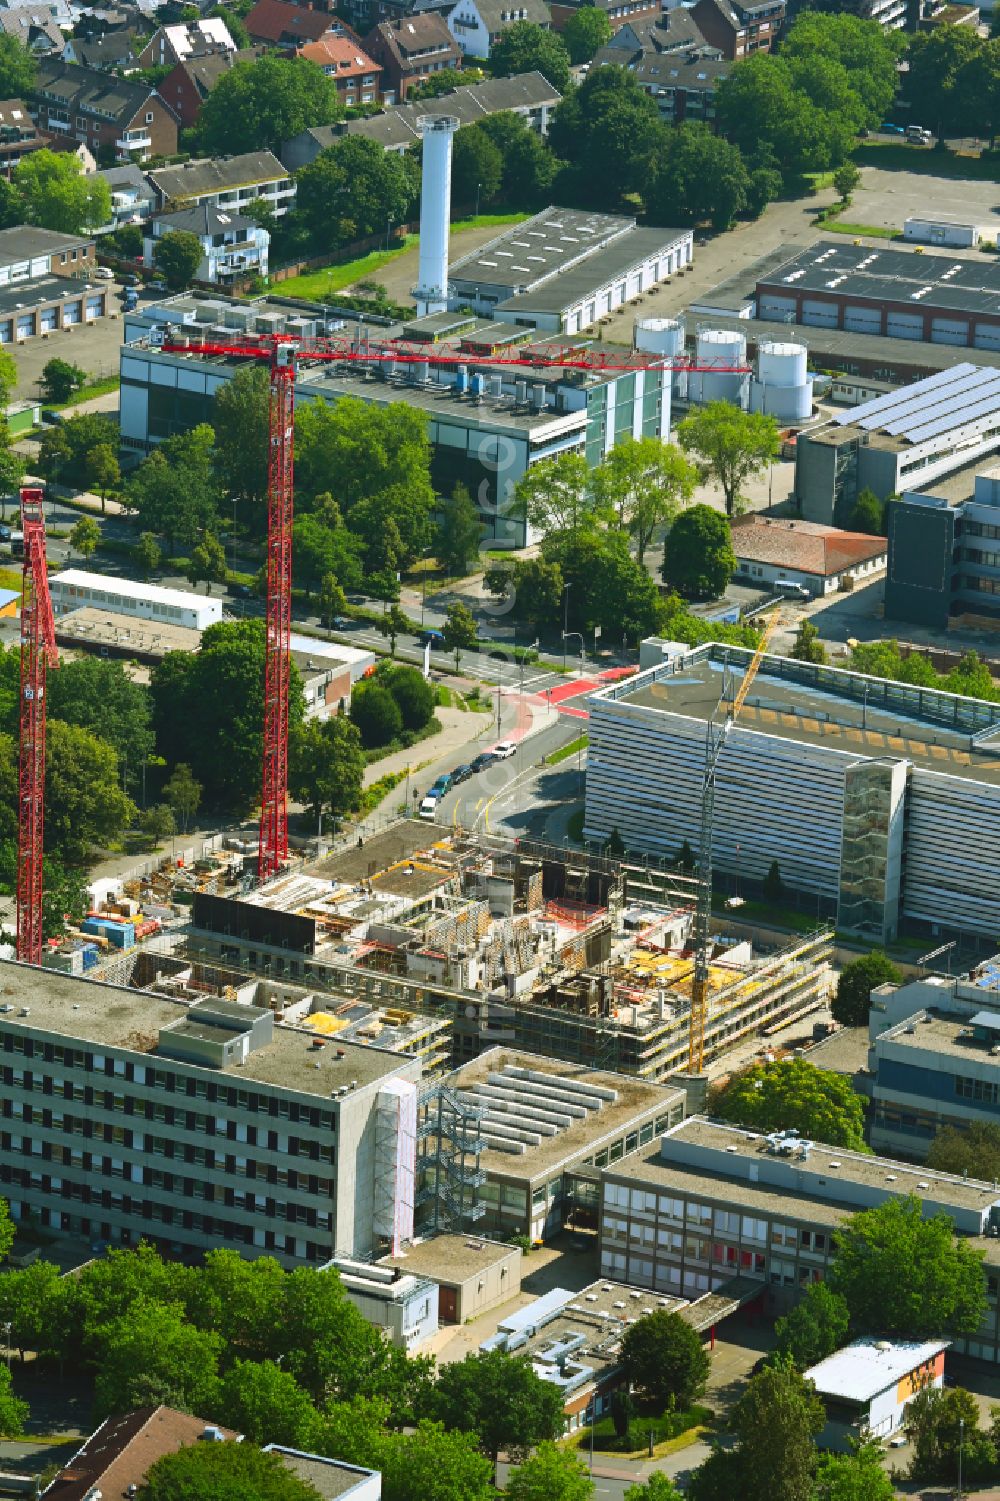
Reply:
x=713, y=1202
x=944, y=560
x=932, y=1070
x=125, y=1115
x=832, y=774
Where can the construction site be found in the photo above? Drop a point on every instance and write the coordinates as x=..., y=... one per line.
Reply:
x=572, y=955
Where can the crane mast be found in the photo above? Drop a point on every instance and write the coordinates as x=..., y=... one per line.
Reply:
x=38, y=649
x=716, y=736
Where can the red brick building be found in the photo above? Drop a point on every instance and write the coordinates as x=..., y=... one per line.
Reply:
x=409, y=50
x=188, y=85
x=357, y=77
x=738, y=30
x=117, y=118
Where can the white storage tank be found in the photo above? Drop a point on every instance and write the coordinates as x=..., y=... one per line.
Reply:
x=659, y=336
x=783, y=386
x=724, y=349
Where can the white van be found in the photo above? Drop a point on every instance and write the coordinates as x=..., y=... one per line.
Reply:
x=790, y=589
x=429, y=805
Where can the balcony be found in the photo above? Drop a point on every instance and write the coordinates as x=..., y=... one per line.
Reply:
x=138, y=141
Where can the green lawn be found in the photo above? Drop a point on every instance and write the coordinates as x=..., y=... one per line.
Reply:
x=487, y=221
x=314, y=286
x=565, y=751
x=874, y=231
x=10, y=578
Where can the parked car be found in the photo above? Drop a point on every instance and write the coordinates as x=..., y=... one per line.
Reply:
x=429, y=805
x=460, y=774
x=790, y=589
x=482, y=761
x=241, y=591
x=892, y=130
x=433, y=639
x=104, y=273
x=156, y=286
x=339, y=623
x=442, y=783
x=504, y=750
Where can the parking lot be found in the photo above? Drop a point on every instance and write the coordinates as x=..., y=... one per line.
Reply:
x=886, y=198
x=92, y=346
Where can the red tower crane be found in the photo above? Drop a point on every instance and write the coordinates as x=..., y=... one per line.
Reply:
x=282, y=353
x=38, y=649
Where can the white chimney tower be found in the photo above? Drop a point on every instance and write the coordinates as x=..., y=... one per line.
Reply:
x=431, y=291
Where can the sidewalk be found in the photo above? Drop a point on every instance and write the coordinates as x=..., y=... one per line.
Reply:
x=459, y=727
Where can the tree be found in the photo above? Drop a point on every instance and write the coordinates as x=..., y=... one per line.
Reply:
x=352, y=189
x=643, y=483
x=153, y=1355
x=551, y=1474
x=100, y=696
x=938, y=61
x=392, y=624
x=84, y=536
x=664, y=1358
x=459, y=630
x=477, y=167
x=556, y=494
x=869, y=56
x=60, y=379
x=432, y=1464
x=972, y=1151
x=327, y=765
x=146, y=554
x=698, y=177
x=499, y=1398
x=240, y=419
x=56, y=194
x=223, y=1472
x=905, y=1275
x=413, y=693
x=845, y=180
x=858, y=1476
x=265, y=1404
x=84, y=803
x=736, y=445
x=221, y=690
x=103, y=473
x=177, y=256
x=527, y=48
x=585, y=33
x=868, y=514
x=938, y=1422
x=794, y=1095
x=698, y=557
x=30, y=1301
x=376, y=714
x=610, y=132
x=658, y=1487
x=64, y=897
x=807, y=646
x=183, y=794
x=207, y=562
x=858, y=979
x=257, y=105
x=761, y=108
x=444, y=82
x=815, y=1327
x=17, y=69
x=13, y=1412
x=775, y=1422
x=175, y=490
x=332, y=600
x=529, y=167
x=607, y=587
x=64, y=449
x=458, y=534
x=158, y=823
x=320, y=550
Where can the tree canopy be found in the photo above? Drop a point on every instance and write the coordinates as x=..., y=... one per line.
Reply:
x=774, y=1423
x=698, y=556
x=794, y=1095
x=814, y=1328
x=972, y=1151
x=585, y=32
x=527, y=48
x=664, y=1358
x=55, y=193
x=223, y=1472
x=608, y=131
x=501, y=1399
x=17, y=68
x=903, y=1275
x=735, y=445
x=177, y=256
x=858, y=978
x=352, y=189
x=257, y=105
x=699, y=177
x=551, y=1474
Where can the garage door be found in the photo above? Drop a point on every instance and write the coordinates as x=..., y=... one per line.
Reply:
x=905, y=326
x=987, y=336
x=573, y=323
x=949, y=331
x=775, y=307
x=71, y=313
x=93, y=308
x=50, y=319
x=863, y=320
x=820, y=314
x=6, y=332
x=26, y=326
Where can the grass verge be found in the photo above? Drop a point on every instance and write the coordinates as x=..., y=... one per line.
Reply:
x=873, y=231
x=488, y=221
x=10, y=578
x=314, y=286
x=671, y=1431
x=565, y=751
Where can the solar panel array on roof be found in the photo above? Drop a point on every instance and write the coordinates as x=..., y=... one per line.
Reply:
x=941, y=403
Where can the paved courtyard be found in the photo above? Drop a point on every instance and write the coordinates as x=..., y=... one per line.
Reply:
x=887, y=198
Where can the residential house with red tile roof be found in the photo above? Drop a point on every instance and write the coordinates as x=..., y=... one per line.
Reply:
x=116, y=1458
x=352, y=70
x=409, y=51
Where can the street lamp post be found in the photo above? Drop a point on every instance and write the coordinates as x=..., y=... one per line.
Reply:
x=7, y=1331
x=961, y=1442
x=478, y=186
x=566, y=589
x=577, y=635
x=524, y=652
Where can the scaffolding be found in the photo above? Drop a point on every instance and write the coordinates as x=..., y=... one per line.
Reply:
x=449, y=1175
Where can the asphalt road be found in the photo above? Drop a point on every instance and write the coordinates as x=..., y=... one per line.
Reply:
x=481, y=802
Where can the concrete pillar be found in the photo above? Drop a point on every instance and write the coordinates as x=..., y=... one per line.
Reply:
x=431, y=291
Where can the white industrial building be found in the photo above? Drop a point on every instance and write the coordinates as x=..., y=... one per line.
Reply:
x=830, y=773
x=950, y=233
x=405, y=1307
x=75, y=589
x=867, y=1386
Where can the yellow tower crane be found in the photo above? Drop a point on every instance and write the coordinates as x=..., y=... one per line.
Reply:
x=716, y=736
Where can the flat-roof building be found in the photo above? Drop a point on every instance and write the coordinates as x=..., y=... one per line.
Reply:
x=828, y=772
x=942, y=558
x=472, y=1274
x=941, y=299
x=564, y=269
x=486, y=425
x=75, y=589
x=196, y=1125
x=901, y=441
x=867, y=1386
